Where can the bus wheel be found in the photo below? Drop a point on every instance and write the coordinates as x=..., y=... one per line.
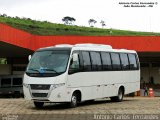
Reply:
x=74, y=100
x=38, y=104
x=118, y=98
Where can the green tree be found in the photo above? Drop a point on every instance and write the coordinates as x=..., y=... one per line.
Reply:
x=103, y=23
x=3, y=61
x=68, y=20
x=4, y=15
x=92, y=22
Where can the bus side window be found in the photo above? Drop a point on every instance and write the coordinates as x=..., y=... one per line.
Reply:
x=96, y=61
x=86, y=61
x=106, y=61
x=75, y=65
x=133, y=61
x=124, y=61
x=116, y=61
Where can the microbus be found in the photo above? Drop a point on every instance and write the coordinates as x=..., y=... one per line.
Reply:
x=72, y=74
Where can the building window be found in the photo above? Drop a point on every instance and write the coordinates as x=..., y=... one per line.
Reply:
x=17, y=81
x=6, y=82
x=18, y=68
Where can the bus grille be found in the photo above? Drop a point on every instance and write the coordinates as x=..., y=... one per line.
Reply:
x=39, y=87
x=39, y=94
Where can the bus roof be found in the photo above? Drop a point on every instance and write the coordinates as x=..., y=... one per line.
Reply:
x=87, y=46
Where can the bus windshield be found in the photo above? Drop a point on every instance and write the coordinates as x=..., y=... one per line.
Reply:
x=48, y=63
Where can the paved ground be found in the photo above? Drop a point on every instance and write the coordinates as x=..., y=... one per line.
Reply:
x=19, y=109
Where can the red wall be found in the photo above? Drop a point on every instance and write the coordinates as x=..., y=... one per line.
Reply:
x=33, y=42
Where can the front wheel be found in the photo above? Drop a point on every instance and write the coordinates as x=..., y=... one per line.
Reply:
x=38, y=104
x=74, y=101
x=118, y=98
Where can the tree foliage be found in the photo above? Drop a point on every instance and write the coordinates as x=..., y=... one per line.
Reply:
x=92, y=22
x=68, y=20
x=103, y=23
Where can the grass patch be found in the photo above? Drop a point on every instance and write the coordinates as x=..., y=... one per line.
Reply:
x=48, y=28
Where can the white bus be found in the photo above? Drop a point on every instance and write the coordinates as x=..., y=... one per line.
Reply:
x=81, y=72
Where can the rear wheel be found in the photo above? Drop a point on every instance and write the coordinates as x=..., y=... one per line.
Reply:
x=74, y=100
x=38, y=104
x=118, y=98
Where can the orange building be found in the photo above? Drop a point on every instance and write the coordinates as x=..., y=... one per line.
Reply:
x=16, y=45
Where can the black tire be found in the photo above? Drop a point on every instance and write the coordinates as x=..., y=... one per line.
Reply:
x=118, y=98
x=38, y=104
x=74, y=100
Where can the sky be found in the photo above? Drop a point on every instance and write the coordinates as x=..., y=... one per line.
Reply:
x=114, y=14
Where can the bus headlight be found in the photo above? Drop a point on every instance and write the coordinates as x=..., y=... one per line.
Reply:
x=25, y=85
x=54, y=86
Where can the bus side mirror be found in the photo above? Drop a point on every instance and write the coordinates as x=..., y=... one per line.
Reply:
x=75, y=57
x=29, y=57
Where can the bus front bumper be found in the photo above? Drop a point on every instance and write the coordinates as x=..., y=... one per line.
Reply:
x=46, y=93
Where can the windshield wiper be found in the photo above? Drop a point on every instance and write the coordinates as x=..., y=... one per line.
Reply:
x=34, y=70
x=47, y=69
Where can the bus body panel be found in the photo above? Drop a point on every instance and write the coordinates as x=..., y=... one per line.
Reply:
x=91, y=84
x=104, y=84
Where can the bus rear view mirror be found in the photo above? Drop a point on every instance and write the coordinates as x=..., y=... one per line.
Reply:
x=75, y=57
x=29, y=57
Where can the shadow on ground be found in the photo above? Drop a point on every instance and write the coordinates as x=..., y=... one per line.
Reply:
x=62, y=106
